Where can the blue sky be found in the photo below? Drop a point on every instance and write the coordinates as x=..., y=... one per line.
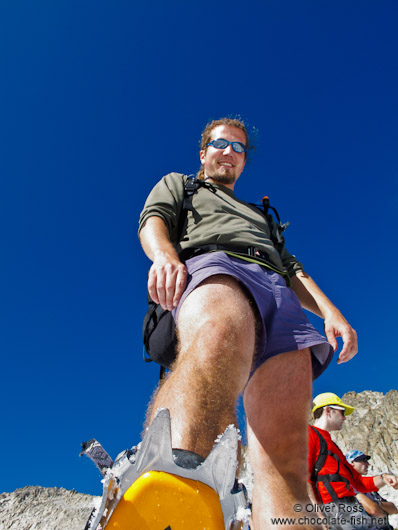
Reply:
x=98, y=101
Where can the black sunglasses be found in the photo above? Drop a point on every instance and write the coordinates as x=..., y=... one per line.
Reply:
x=221, y=143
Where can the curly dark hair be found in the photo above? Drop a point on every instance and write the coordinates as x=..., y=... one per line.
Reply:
x=206, y=135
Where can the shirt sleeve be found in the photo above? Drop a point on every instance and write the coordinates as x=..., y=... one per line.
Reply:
x=291, y=263
x=165, y=201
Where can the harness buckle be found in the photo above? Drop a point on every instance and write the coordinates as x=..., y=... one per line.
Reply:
x=254, y=252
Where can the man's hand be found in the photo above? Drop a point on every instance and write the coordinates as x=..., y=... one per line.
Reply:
x=167, y=276
x=314, y=300
x=166, y=280
x=337, y=326
x=390, y=480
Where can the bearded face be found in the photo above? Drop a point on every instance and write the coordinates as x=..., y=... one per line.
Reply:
x=224, y=166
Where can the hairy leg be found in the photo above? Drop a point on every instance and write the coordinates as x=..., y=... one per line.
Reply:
x=277, y=402
x=216, y=329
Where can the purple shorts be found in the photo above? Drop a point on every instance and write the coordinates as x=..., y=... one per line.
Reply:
x=283, y=325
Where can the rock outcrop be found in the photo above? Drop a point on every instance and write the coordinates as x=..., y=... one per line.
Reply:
x=373, y=429
x=37, y=508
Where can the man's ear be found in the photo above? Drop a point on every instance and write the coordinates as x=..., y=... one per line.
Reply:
x=202, y=155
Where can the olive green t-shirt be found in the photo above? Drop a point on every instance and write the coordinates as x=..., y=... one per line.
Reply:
x=218, y=217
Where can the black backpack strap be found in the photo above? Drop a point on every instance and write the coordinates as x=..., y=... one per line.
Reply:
x=323, y=453
x=191, y=186
x=326, y=482
x=276, y=228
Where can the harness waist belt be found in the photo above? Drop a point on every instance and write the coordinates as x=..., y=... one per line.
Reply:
x=253, y=252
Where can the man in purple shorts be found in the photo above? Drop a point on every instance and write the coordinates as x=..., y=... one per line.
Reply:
x=241, y=327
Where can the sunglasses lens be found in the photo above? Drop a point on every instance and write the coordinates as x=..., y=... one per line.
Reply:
x=238, y=147
x=219, y=144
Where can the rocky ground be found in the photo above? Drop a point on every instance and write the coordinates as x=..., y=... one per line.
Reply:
x=36, y=508
x=372, y=428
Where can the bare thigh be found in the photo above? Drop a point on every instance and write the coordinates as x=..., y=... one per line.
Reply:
x=217, y=321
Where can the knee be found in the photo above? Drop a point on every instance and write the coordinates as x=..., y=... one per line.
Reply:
x=221, y=344
x=225, y=333
x=286, y=453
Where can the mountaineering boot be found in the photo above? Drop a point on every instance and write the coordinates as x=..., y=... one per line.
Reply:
x=153, y=487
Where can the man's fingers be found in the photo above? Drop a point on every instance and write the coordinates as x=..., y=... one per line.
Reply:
x=156, y=286
x=350, y=348
x=152, y=286
x=170, y=286
x=180, y=284
x=166, y=284
x=344, y=355
x=330, y=335
x=350, y=341
x=391, y=480
x=346, y=349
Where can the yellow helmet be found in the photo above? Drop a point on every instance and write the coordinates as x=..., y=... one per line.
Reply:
x=327, y=398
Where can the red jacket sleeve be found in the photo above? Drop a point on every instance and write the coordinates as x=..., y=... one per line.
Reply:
x=360, y=483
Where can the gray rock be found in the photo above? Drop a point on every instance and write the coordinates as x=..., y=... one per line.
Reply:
x=37, y=508
x=372, y=428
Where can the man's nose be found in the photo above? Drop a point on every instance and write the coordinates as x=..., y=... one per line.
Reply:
x=228, y=150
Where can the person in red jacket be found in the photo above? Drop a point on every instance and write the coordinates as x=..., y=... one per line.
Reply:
x=332, y=479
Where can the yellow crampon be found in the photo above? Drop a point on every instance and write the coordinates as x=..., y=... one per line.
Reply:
x=162, y=501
